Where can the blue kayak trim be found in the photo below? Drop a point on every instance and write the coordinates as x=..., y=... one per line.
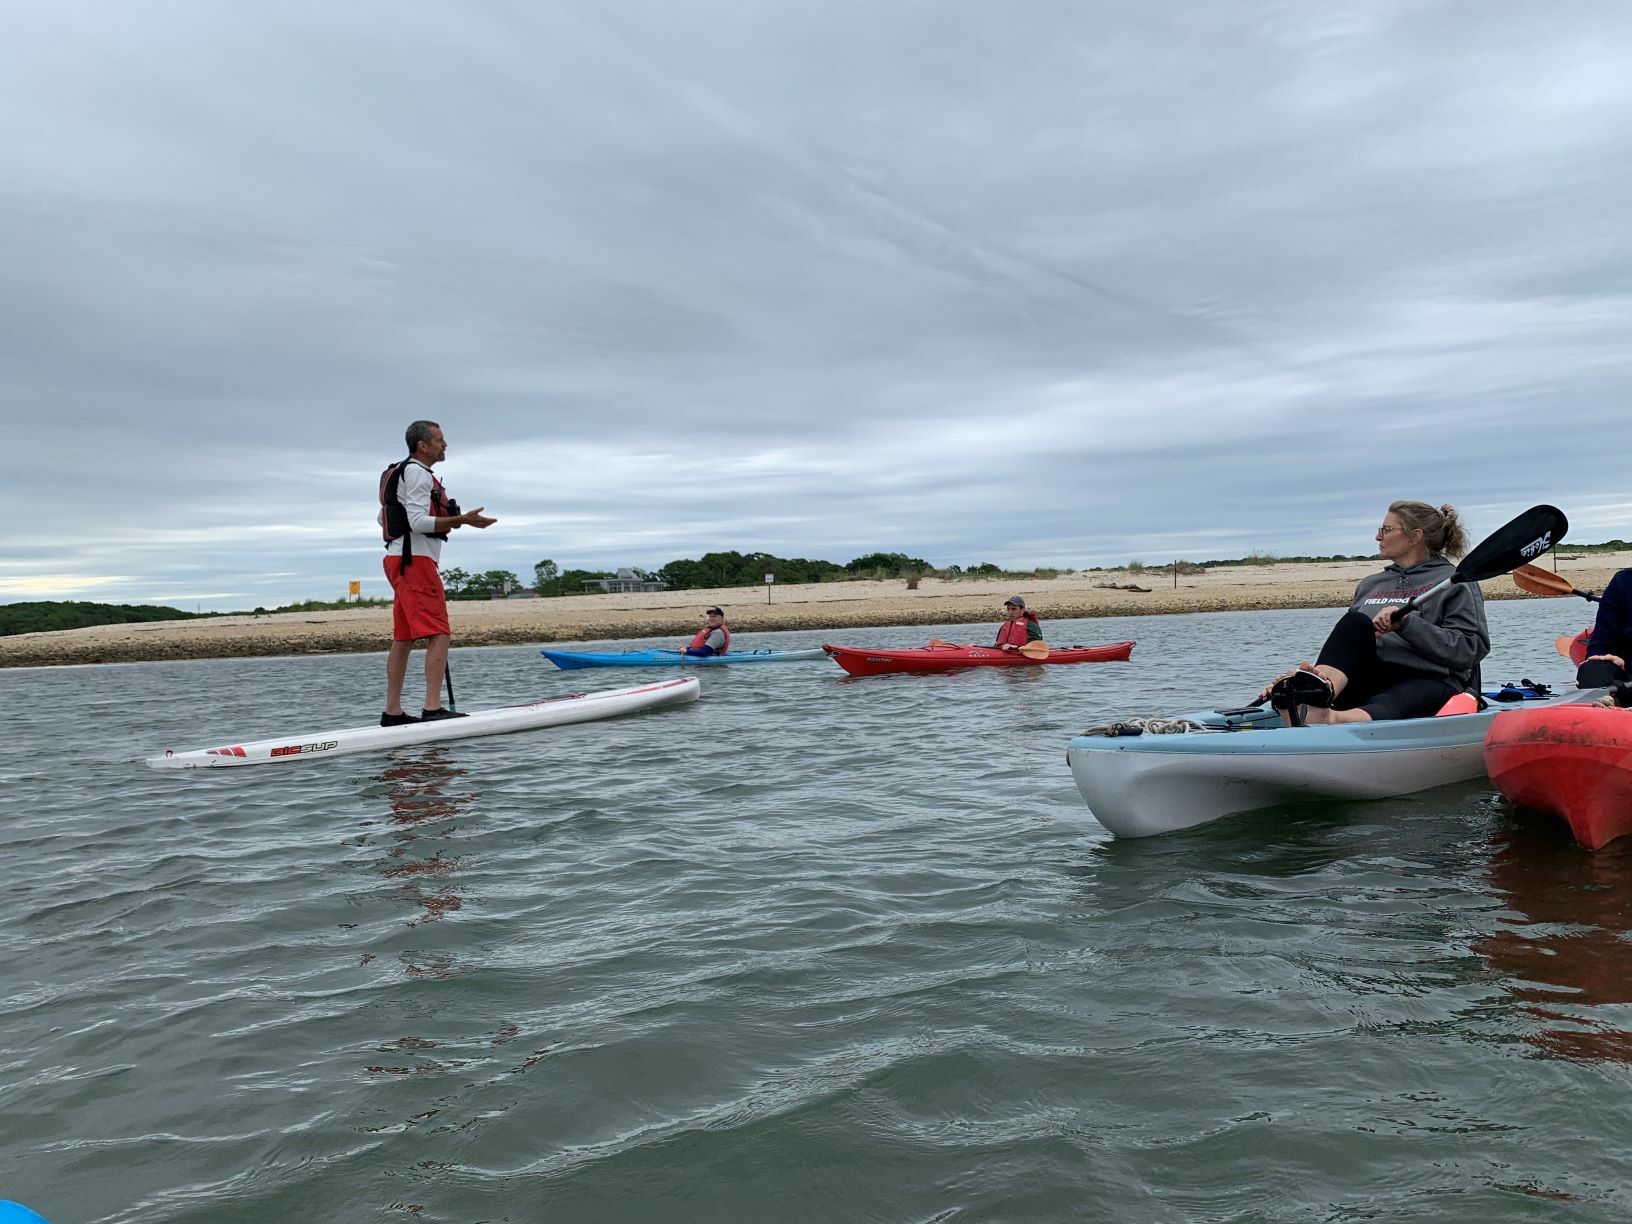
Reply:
x=570, y=660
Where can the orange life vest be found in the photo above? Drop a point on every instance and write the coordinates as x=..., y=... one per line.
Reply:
x=1016, y=632
x=701, y=640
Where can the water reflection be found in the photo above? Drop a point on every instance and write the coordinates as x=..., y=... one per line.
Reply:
x=424, y=795
x=1568, y=950
x=1287, y=841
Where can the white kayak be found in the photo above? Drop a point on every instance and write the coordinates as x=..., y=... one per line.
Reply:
x=1144, y=784
x=551, y=712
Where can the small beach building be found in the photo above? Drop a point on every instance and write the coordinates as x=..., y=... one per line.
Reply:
x=627, y=580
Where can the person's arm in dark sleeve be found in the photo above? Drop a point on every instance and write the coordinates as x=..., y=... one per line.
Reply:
x=1613, y=627
x=1456, y=638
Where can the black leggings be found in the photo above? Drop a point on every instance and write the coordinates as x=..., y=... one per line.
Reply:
x=1598, y=673
x=1382, y=690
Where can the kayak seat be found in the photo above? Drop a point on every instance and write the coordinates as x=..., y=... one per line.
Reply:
x=1462, y=703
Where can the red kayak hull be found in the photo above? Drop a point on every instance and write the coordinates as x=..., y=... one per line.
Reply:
x=859, y=661
x=1572, y=761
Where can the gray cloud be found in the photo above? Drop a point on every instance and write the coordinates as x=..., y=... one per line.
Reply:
x=1062, y=283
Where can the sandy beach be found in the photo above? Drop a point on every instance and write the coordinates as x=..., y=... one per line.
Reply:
x=833, y=605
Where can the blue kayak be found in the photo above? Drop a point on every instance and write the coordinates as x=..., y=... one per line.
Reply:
x=1201, y=766
x=569, y=660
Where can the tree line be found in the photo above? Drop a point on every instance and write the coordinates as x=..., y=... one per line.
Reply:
x=714, y=569
x=737, y=569
x=48, y=614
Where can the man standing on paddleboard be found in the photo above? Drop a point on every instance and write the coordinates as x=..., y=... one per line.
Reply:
x=415, y=517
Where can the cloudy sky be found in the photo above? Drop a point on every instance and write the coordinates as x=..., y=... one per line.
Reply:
x=1062, y=282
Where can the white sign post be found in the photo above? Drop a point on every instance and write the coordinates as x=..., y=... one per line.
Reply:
x=769, y=578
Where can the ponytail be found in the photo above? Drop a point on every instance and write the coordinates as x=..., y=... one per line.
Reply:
x=1441, y=529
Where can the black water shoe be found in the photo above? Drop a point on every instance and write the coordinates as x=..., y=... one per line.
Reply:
x=439, y=715
x=397, y=720
x=1294, y=695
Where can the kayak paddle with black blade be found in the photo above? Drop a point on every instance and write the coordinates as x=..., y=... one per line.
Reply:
x=1511, y=545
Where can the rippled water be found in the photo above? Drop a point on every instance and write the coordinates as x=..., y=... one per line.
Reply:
x=813, y=949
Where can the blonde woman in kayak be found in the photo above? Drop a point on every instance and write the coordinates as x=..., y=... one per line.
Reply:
x=1374, y=666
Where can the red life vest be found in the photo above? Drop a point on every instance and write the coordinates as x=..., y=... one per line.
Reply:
x=394, y=516
x=1016, y=632
x=701, y=640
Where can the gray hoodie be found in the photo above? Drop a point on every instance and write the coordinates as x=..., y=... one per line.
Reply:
x=1447, y=636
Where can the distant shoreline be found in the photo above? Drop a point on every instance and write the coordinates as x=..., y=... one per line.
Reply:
x=833, y=606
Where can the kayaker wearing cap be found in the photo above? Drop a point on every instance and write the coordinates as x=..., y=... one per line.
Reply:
x=1019, y=626
x=1610, y=646
x=714, y=638
x=1373, y=667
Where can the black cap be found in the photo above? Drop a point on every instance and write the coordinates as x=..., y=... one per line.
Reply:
x=714, y=612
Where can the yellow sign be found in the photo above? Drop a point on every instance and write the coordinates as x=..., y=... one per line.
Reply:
x=356, y=588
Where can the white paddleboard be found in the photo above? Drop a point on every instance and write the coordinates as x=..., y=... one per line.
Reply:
x=551, y=712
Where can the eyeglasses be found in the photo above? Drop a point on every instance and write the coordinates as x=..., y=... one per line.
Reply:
x=1385, y=531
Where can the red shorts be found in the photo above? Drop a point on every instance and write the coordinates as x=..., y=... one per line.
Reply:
x=419, y=606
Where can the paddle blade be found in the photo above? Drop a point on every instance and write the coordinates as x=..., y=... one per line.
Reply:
x=1035, y=650
x=1513, y=543
x=1574, y=648
x=1537, y=581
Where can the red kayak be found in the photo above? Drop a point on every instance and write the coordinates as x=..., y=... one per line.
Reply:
x=860, y=661
x=1574, y=761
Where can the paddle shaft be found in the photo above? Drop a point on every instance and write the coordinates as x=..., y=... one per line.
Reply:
x=447, y=674
x=1032, y=650
x=1416, y=601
